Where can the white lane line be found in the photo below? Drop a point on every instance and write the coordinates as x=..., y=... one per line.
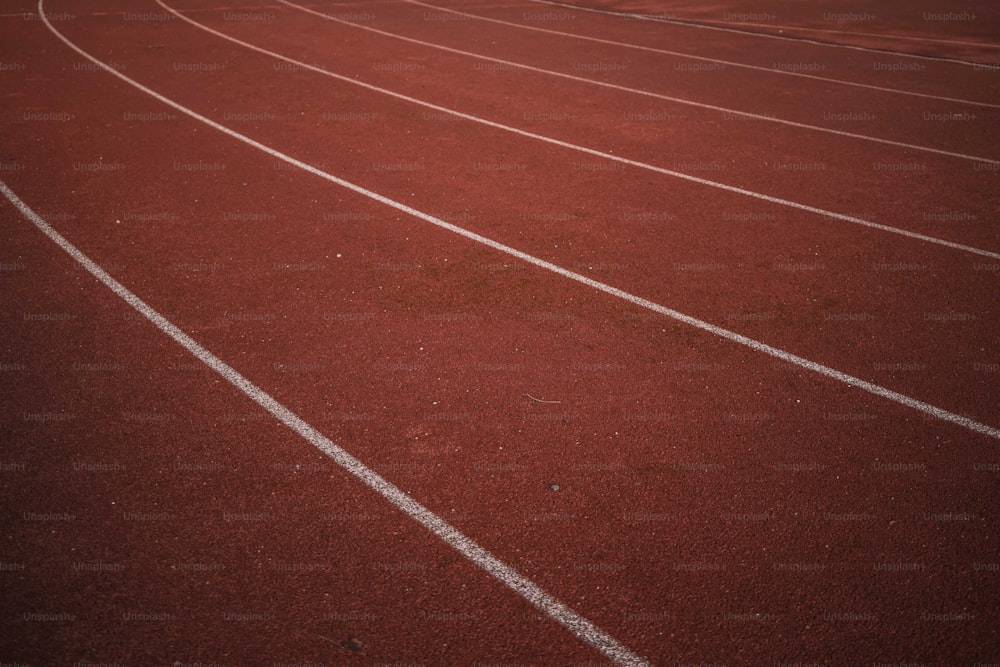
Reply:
x=637, y=91
x=877, y=390
x=526, y=588
x=909, y=38
x=690, y=56
x=590, y=151
x=692, y=23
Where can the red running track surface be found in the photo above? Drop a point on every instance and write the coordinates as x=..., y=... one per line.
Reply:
x=688, y=495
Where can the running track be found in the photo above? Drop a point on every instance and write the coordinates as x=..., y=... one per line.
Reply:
x=509, y=333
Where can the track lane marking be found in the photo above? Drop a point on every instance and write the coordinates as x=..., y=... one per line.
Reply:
x=646, y=93
x=909, y=38
x=728, y=63
x=527, y=589
x=704, y=26
x=520, y=584
x=877, y=390
x=590, y=151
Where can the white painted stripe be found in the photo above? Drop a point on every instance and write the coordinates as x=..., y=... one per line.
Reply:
x=880, y=35
x=636, y=91
x=920, y=406
x=728, y=63
x=694, y=24
x=591, y=151
x=523, y=586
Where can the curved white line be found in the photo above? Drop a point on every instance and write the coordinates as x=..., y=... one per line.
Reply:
x=556, y=610
x=728, y=63
x=590, y=151
x=694, y=24
x=668, y=98
x=757, y=346
x=908, y=38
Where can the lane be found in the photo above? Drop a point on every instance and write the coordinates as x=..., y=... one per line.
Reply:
x=808, y=170
x=179, y=523
x=894, y=70
x=694, y=264
x=443, y=530
x=705, y=488
x=545, y=603
x=495, y=63
x=911, y=20
x=798, y=70
x=859, y=27
x=712, y=86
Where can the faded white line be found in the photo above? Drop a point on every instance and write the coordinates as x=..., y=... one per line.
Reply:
x=590, y=151
x=908, y=38
x=877, y=390
x=703, y=26
x=728, y=63
x=646, y=93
